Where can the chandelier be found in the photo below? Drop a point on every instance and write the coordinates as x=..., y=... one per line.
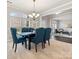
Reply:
x=34, y=15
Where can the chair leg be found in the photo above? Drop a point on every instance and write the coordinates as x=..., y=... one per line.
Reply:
x=36, y=47
x=44, y=45
x=26, y=44
x=22, y=43
x=15, y=47
x=48, y=42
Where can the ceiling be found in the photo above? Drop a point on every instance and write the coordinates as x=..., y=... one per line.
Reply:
x=41, y=5
x=65, y=15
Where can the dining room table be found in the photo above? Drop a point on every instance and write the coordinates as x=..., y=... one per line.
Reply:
x=29, y=34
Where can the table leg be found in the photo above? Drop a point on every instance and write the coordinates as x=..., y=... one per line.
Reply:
x=29, y=42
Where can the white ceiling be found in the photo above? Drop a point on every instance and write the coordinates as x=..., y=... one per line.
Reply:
x=41, y=5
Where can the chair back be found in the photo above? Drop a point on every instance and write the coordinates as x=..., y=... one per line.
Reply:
x=24, y=29
x=40, y=34
x=47, y=33
x=13, y=32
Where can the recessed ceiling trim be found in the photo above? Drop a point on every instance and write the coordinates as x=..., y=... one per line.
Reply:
x=60, y=8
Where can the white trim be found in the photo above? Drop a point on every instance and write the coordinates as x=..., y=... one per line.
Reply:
x=65, y=6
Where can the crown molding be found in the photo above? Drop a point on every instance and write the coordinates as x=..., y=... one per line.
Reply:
x=59, y=8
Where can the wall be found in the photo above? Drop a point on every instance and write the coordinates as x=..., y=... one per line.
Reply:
x=46, y=21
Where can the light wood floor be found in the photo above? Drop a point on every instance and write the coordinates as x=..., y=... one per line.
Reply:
x=56, y=50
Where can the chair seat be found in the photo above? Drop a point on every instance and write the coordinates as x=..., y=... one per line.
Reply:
x=21, y=40
x=34, y=41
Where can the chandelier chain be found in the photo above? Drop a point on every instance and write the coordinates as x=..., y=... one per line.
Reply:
x=34, y=4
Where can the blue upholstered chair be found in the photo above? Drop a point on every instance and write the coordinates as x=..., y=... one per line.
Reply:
x=17, y=38
x=47, y=35
x=38, y=37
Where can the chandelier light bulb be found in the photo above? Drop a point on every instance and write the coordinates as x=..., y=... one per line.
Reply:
x=31, y=16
